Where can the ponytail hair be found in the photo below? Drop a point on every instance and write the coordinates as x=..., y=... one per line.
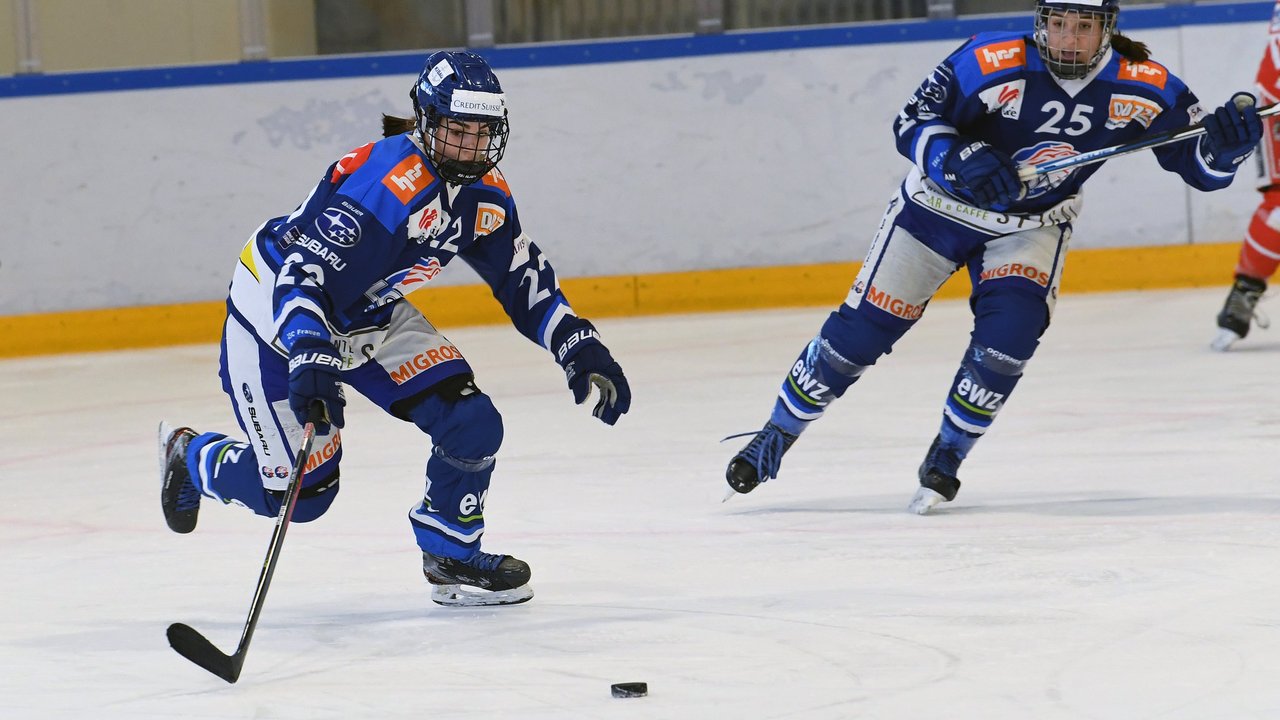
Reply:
x=1130, y=49
x=392, y=125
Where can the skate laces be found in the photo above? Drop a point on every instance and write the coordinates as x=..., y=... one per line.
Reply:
x=484, y=561
x=188, y=494
x=765, y=450
x=943, y=459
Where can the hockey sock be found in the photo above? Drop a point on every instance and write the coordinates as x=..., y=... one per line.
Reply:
x=450, y=519
x=227, y=470
x=817, y=377
x=981, y=386
x=467, y=432
x=1260, y=251
x=850, y=341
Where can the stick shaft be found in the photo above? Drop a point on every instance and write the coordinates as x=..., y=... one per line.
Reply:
x=1030, y=172
x=277, y=537
x=195, y=647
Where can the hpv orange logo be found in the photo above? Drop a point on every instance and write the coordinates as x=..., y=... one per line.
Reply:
x=1144, y=72
x=407, y=178
x=1001, y=56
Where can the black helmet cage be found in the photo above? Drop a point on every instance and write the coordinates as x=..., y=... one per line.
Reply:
x=1074, y=69
x=490, y=143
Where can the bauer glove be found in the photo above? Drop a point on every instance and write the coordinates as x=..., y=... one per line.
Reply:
x=976, y=173
x=587, y=364
x=315, y=376
x=1230, y=133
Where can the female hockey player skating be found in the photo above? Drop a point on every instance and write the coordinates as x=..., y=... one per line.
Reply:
x=317, y=300
x=1001, y=100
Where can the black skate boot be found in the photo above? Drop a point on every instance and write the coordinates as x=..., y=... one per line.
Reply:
x=1240, y=309
x=179, y=497
x=938, y=481
x=760, y=459
x=503, y=578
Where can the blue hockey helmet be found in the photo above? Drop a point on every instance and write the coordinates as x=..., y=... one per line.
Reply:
x=1075, y=24
x=461, y=115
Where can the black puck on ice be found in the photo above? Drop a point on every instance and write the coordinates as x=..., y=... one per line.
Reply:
x=629, y=690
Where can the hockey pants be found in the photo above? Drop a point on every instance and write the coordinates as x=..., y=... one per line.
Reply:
x=409, y=370
x=1015, y=282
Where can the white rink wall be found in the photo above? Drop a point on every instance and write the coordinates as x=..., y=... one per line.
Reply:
x=748, y=159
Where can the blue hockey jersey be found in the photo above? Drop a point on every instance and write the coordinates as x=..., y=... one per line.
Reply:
x=378, y=226
x=996, y=88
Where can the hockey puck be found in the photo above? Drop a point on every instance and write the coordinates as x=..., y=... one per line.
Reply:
x=629, y=690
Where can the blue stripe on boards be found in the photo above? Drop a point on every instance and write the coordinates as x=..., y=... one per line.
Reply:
x=579, y=53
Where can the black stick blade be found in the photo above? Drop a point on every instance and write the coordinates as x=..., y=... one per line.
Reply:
x=193, y=646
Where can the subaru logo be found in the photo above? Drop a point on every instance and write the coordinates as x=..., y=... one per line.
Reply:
x=338, y=227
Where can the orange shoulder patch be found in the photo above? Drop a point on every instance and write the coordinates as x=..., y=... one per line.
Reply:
x=1001, y=56
x=494, y=178
x=1151, y=73
x=408, y=178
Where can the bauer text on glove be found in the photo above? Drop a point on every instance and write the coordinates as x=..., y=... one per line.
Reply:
x=315, y=376
x=588, y=364
x=975, y=172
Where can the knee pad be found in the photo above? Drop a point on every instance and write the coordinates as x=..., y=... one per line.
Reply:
x=861, y=336
x=1009, y=320
x=466, y=429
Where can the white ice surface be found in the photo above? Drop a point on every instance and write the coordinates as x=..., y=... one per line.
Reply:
x=1113, y=552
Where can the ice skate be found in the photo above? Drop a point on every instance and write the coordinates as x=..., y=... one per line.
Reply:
x=938, y=481
x=179, y=497
x=501, y=579
x=1239, y=310
x=759, y=460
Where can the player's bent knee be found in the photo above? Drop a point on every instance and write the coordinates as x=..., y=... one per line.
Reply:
x=862, y=336
x=1011, y=320
x=472, y=428
x=460, y=419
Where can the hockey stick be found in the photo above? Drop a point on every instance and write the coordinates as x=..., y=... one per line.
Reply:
x=1030, y=172
x=195, y=647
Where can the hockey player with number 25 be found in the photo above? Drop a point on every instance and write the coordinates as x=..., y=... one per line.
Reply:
x=1000, y=101
x=317, y=300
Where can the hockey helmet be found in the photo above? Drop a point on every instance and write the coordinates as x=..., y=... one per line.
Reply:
x=1081, y=18
x=458, y=95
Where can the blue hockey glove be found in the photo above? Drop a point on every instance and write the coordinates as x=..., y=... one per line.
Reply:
x=1231, y=133
x=587, y=364
x=982, y=175
x=315, y=376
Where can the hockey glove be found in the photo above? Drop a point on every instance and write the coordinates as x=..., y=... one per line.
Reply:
x=981, y=175
x=315, y=376
x=587, y=364
x=1231, y=133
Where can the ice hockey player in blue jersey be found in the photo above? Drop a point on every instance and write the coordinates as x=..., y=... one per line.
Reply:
x=1002, y=100
x=317, y=300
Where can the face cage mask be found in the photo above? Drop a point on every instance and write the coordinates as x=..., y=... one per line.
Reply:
x=490, y=148
x=1075, y=69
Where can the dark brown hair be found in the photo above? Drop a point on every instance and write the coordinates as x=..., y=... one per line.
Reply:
x=1130, y=49
x=392, y=125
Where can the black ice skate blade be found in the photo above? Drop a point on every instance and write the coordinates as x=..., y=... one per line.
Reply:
x=629, y=689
